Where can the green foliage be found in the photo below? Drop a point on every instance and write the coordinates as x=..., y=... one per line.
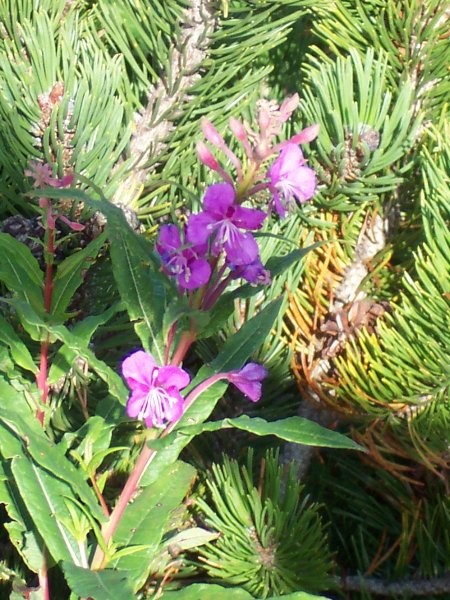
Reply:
x=408, y=380
x=98, y=585
x=209, y=591
x=144, y=522
x=265, y=531
x=365, y=128
x=115, y=91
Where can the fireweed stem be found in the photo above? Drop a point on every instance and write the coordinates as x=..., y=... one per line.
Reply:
x=145, y=458
x=43, y=578
x=41, y=378
x=186, y=339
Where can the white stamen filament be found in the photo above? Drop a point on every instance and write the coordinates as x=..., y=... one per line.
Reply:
x=157, y=405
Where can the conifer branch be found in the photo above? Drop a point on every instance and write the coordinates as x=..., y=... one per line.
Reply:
x=372, y=240
x=154, y=122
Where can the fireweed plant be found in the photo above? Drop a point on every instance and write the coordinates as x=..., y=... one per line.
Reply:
x=176, y=292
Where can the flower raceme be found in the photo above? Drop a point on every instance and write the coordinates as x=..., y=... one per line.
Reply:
x=260, y=145
x=155, y=391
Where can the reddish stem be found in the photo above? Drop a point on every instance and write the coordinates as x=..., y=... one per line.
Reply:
x=127, y=493
x=186, y=339
x=43, y=578
x=41, y=378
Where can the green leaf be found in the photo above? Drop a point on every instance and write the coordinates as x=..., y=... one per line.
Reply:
x=239, y=347
x=146, y=519
x=19, y=350
x=141, y=285
x=20, y=272
x=44, y=495
x=24, y=433
x=235, y=352
x=98, y=585
x=293, y=429
x=207, y=591
x=69, y=276
x=83, y=331
x=192, y=538
x=20, y=528
x=111, y=378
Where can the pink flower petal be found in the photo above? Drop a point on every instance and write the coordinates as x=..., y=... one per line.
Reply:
x=173, y=377
x=135, y=402
x=198, y=228
x=242, y=249
x=137, y=369
x=169, y=237
x=248, y=218
x=218, y=198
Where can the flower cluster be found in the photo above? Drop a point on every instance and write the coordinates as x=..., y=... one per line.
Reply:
x=217, y=245
x=155, y=391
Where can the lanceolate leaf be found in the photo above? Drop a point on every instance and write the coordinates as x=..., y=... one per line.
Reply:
x=19, y=351
x=20, y=528
x=98, y=585
x=69, y=276
x=142, y=286
x=292, y=429
x=217, y=592
x=24, y=435
x=146, y=518
x=20, y=271
x=45, y=497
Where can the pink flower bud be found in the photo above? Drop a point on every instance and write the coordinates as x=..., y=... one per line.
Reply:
x=238, y=129
x=206, y=156
x=306, y=135
x=288, y=107
x=211, y=134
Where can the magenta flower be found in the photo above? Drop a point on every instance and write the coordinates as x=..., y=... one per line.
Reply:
x=253, y=273
x=182, y=262
x=155, y=391
x=248, y=380
x=223, y=221
x=289, y=178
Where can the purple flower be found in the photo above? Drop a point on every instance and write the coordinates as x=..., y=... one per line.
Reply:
x=248, y=380
x=290, y=178
x=155, y=391
x=254, y=272
x=182, y=262
x=223, y=220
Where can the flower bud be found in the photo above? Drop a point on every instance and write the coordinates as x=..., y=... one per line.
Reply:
x=306, y=135
x=206, y=156
x=238, y=129
x=211, y=134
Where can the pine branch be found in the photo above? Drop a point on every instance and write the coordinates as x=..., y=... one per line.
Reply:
x=155, y=122
x=412, y=587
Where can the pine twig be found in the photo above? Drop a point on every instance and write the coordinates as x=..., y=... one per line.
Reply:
x=372, y=240
x=155, y=122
